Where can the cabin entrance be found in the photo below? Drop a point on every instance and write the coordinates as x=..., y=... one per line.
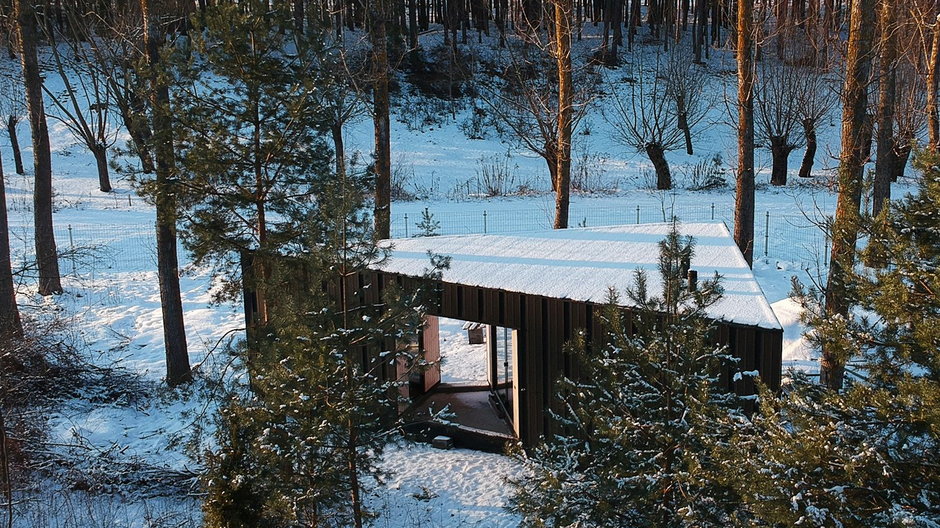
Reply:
x=470, y=379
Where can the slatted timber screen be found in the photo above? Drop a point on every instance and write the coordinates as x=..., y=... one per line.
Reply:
x=543, y=328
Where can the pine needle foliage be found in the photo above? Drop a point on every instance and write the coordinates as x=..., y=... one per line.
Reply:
x=249, y=132
x=428, y=226
x=636, y=421
x=867, y=455
x=298, y=444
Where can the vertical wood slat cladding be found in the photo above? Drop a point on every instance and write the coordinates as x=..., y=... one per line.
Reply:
x=449, y=300
x=513, y=303
x=744, y=350
x=543, y=326
x=723, y=336
x=489, y=309
x=556, y=325
x=773, y=349
x=492, y=365
x=431, y=345
x=578, y=324
x=532, y=387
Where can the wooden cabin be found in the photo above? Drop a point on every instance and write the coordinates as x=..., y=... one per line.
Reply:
x=544, y=287
x=534, y=291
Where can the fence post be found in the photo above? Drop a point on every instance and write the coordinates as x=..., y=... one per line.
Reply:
x=638, y=214
x=406, y=225
x=484, y=221
x=766, y=233
x=72, y=248
x=713, y=210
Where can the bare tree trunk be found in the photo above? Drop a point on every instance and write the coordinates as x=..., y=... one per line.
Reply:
x=658, y=156
x=845, y=225
x=299, y=16
x=15, y=145
x=933, y=79
x=352, y=467
x=551, y=160
x=139, y=131
x=174, y=333
x=686, y=131
x=781, y=13
x=617, y=21
x=887, y=93
x=412, y=25
x=744, y=188
x=701, y=23
x=380, y=110
x=809, y=155
x=47, y=257
x=336, y=129
x=780, y=152
x=262, y=260
x=5, y=465
x=10, y=324
x=903, y=154
x=563, y=10
x=868, y=134
x=101, y=161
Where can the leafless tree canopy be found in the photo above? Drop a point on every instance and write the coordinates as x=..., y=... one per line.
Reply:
x=523, y=98
x=655, y=108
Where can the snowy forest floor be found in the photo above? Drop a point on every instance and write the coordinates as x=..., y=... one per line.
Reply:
x=110, y=311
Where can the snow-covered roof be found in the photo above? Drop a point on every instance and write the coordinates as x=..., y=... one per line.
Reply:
x=582, y=264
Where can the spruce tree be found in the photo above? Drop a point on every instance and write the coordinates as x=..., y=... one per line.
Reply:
x=637, y=419
x=867, y=455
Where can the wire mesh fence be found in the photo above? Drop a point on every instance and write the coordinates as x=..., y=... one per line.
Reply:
x=86, y=248
x=103, y=248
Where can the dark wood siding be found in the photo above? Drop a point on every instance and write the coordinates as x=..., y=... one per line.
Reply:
x=544, y=326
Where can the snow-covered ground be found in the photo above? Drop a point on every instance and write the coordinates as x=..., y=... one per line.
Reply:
x=111, y=303
x=461, y=362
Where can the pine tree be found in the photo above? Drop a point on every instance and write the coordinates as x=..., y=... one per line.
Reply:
x=250, y=138
x=428, y=226
x=744, y=187
x=163, y=190
x=637, y=418
x=845, y=225
x=378, y=14
x=561, y=49
x=324, y=383
x=865, y=456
